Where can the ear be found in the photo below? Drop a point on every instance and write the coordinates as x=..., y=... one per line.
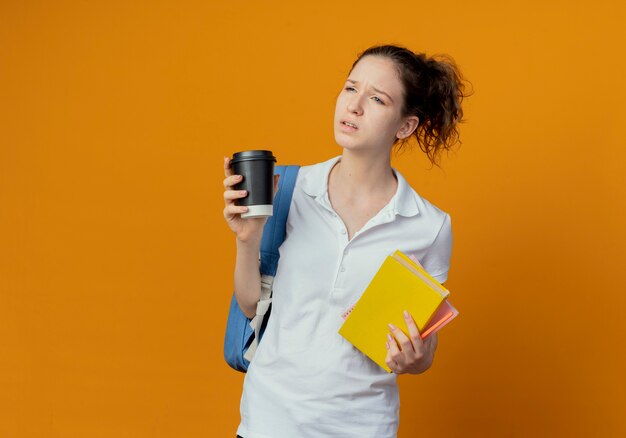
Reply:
x=410, y=124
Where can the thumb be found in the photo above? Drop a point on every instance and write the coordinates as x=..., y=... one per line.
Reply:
x=276, y=177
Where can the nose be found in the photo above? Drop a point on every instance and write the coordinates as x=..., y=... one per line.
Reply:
x=354, y=104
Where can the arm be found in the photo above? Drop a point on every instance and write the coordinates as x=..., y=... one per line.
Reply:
x=248, y=236
x=247, y=276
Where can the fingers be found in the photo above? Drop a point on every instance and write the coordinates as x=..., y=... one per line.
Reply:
x=404, y=342
x=409, y=353
x=231, y=180
x=227, y=170
x=393, y=355
x=414, y=333
x=229, y=200
x=390, y=363
x=229, y=195
x=231, y=210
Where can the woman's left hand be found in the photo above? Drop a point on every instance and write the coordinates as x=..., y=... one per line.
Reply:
x=409, y=354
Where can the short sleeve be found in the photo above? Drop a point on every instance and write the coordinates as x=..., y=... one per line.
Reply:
x=437, y=259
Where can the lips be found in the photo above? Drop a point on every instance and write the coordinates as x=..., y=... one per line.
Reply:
x=349, y=123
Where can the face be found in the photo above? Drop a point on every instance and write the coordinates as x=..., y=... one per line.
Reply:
x=371, y=99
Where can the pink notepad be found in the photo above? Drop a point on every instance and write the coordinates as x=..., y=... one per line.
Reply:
x=444, y=314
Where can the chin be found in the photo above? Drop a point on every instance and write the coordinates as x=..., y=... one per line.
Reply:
x=342, y=141
x=349, y=145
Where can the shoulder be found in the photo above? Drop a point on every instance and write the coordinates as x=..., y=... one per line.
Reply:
x=430, y=210
x=435, y=225
x=434, y=219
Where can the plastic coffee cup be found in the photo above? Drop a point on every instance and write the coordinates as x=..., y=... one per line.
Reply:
x=257, y=169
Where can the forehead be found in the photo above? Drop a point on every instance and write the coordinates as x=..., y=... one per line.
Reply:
x=378, y=72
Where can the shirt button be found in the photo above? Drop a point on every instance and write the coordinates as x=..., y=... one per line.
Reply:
x=343, y=231
x=343, y=268
x=345, y=252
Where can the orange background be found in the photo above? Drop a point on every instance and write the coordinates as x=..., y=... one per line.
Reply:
x=116, y=266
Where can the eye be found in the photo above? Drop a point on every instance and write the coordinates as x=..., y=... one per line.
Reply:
x=377, y=98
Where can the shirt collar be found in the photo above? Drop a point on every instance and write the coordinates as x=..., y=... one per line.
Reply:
x=315, y=183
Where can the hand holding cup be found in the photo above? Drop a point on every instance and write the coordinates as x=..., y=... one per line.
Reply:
x=246, y=229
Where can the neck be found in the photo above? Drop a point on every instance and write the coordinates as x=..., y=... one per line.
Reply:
x=364, y=176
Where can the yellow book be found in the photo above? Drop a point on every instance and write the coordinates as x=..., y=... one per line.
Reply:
x=400, y=284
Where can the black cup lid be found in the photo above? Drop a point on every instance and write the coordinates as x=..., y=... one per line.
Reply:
x=253, y=155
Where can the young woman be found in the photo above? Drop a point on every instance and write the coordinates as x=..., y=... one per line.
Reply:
x=347, y=214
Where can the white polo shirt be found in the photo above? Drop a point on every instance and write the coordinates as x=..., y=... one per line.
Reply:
x=306, y=380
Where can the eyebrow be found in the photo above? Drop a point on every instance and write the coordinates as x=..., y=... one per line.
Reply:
x=373, y=88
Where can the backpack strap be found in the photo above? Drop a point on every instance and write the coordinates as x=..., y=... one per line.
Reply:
x=275, y=228
x=274, y=233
